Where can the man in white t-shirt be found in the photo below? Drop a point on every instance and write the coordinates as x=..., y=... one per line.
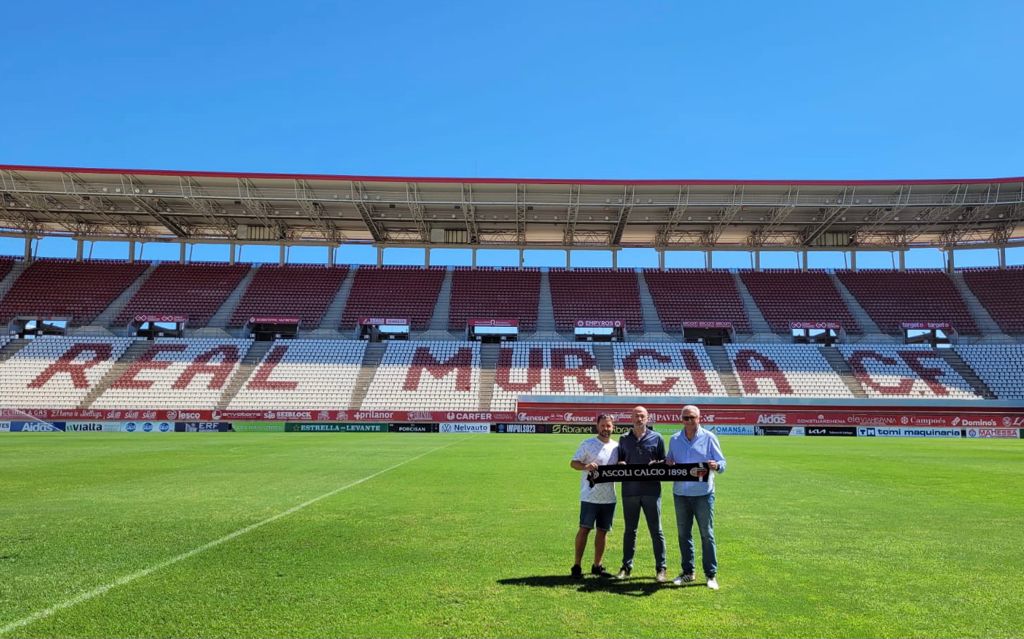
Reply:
x=597, y=504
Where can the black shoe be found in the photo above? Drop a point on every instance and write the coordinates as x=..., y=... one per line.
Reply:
x=577, y=572
x=600, y=571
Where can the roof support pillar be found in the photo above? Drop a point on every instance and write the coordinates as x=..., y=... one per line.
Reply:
x=426, y=255
x=803, y=260
x=78, y=249
x=950, y=261
x=615, y=259
x=472, y=257
x=330, y=255
x=1002, y=257
x=903, y=260
x=232, y=247
x=522, y=258
x=28, y=248
x=181, y=254
x=131, y=251
x=757, y=259
x=380, y=255
x=707, y=260
x=567, y=266
x=281, y=255
x=853, y=260
x=661, y=260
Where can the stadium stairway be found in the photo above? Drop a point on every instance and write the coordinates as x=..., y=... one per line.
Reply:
x=134, y=352
x=720, y=359
x=438, y=328
x=545, y=311
x=11, y=349
x=964, y=370
x=653, y=329
x=488, y=365
x=371, y=360
x=248, y=364
x=762, y=332
x=332, y=316
x=223, y=315
x=991, y=333
x=12, y=277
x=606, y=367
x=842, y=368
x=105, y=318
x=871, y=331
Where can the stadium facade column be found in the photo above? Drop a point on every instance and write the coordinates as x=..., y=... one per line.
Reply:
x=78, y=249
x=472, y=257
x=380, y=255
x=28, y=248
x=522, y=258
x=231, y=254
x=661, y=259
x=1002, y=257
x=567, y=251
x=426, y=256
x=615, y=259
x=330, y=255
x=757, y=259
x=903, y=260
x=281, y=255
x=803, y=260
x=707, y=260
x=181, y=254
x=950, y=261
x=853, y=261
x=131, y=251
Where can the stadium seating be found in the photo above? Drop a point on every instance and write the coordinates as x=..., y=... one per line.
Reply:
x=177, y=373
x=1000, y=366
x=426, y=376
x=64, y=288
x=408, y=292
x=57, y=372
x=1001, y=292
x=905, y=371
x=892, y=297
x=694, y=295
x=303, y=375
x=6, y=264
x=785, y=296
x=303, y=291
x=659, y=369
x=595, y=294
x=544, y=368
x=195, y=290
x=785, y=370
x=494, y=293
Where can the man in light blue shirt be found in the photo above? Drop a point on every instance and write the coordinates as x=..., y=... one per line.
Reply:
x=693, y=499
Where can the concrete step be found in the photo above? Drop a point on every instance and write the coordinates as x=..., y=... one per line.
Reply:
x=606, y=368
x=979, y=313
x=758, y=324
x=722, y=363
x=106, y=318
x=12, y=277
x=248, y=364
x=439, y=320
x=223, y=315
x=371, y=360
x=964, y=370
x=332, y=316
x=842, y=368
x=545, y=310
x=130, y=356
x=867, y=325
x=488, y=368
x=652, y=322
x=11, y=348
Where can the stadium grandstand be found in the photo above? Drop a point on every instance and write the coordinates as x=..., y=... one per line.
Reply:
x=95, y=335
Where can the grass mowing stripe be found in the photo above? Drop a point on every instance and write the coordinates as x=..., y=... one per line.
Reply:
x=100, y=590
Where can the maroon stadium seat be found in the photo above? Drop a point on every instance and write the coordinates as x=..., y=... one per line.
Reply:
x=595, y=293
x=195, y=290
x=696, y=295
x=394, y=291
x=785, y=296
x=303, y=291
x=892, y=297
x=1001, y=292
x=494, y=293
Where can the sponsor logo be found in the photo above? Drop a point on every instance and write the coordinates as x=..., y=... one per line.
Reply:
x=734, y=430
x=5, y=427
x=988, y=423
x=464, y=428
x=520, y=428
x=426, y=416
x=172, y=415
x=202, y=427
x=409, y=428
x=993, y=433
x=374, y=414
x=130, y=427
x=797, y=431
x=147, y=427
x=773, y=418
x=468, y=416
x=832, y=431
x=773, y=430
x=84, y=427
x=578, y=419
x=323, y=416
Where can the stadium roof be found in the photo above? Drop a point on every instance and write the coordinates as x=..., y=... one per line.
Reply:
x=199, y=206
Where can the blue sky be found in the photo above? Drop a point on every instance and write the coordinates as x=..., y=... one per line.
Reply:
x=801, y=90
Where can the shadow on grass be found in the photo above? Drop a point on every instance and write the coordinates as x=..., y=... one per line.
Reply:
x=635, y=587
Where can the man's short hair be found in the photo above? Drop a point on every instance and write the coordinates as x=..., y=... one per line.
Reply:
x=603, y=416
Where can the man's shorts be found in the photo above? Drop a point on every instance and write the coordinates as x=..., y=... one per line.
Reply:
x=599, y=514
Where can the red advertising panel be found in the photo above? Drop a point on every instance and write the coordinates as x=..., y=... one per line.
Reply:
x=275, y=320
x=383, y=321
x=599, y=324
x=943, y=326
x=504, y=322
x=816, y=325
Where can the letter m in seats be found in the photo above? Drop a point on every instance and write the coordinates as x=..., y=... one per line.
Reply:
x=424, y=361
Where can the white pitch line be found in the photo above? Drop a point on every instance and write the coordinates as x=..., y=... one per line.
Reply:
x=101, y=590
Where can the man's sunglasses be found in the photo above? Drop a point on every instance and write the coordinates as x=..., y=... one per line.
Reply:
x=688, y=418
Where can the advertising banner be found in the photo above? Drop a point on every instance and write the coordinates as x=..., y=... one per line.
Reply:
x=92, y=427
x=584, y=429
x=773, y=430
x=335, y=427
x=147, y=427
x=164, y=319
x=903, y=431
x=412, y=428
x=707, y=324
x=823, y=325
x=831, y=431
x=258, y=427
x=275, y=320
x=522, y=429
x=504, y=323
x=202, y=427
x=733, y=430
x=599, y=324
x=17, y=426
x=451, y=427
x=993, y=433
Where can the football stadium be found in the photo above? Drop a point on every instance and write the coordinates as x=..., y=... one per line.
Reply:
x=239, y=448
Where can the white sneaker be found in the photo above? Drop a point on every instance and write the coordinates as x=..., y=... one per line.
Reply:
x=661, y=576
x=683, y=578
x=713, y=583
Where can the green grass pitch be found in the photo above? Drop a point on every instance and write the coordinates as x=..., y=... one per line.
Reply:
x=817, y=537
